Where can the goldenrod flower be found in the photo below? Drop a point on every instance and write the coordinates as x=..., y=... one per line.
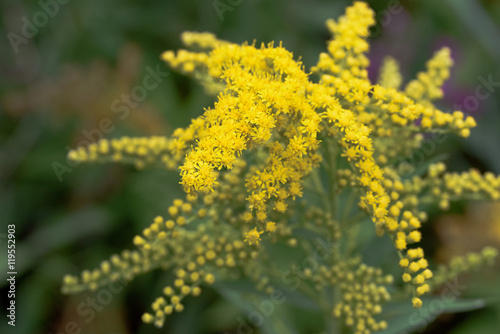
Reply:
x=276, y=133
x=253, y=237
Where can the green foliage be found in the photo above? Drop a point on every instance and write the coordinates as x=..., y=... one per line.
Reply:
x=113, y=201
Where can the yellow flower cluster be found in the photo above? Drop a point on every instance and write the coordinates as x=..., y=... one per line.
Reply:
x=191, y=241
x=346, y=51
x=461, y=264
x=428, y=84
x=439, y=186
x=389, y=76
x=263, y=107
x=363, y=292
x=275, y=135
x=141, y=151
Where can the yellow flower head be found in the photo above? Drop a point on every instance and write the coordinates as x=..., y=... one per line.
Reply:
x=253, y=236
x=270, y=226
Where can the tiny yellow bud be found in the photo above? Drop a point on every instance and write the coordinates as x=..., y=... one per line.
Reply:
x=404, y=224
x=427, y=273
x=382, y=325
x=414, y=267
x=159, y=314
x=105, y=267
x=194, y=276
x=202, y=213
x=423, y=263
x=200, y=260
x=415, y=236
x=209, y=278
x=423, y=289
x=419, y=279
x=191, y=266
x=139, y=241
x=415, y=253
x=173, y=211
x=401, y=241
x=168, y=291
x=147, y=318
x=185, y=290
x=391, y=223
x=406, y=277
x=196, y=291
x=181, y=221
x=179, y=308
x=210, y=255
x=270, y=227
x=187, y=208
x=465, y=133
x=416, y=302
x=169, y=224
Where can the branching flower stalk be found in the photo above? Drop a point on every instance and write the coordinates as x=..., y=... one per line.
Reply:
x=274, y=157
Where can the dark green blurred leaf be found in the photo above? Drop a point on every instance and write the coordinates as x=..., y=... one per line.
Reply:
x=61, y=232
x=403, y=318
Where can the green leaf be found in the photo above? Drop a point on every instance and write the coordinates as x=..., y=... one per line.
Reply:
x=403, y=318
x=259, y=310
x=90, y=221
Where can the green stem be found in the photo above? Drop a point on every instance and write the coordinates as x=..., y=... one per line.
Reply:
x=331, y=324
x=320, y=189
x=357, y=218
x=352, y=235
x=332, y=157
x=349, y=204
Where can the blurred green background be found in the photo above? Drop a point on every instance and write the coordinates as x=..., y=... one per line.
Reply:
x=60, y=77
